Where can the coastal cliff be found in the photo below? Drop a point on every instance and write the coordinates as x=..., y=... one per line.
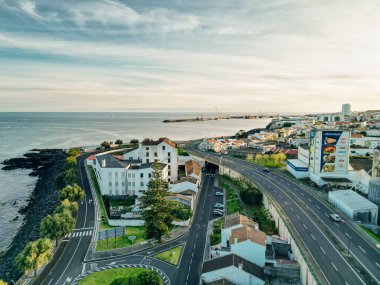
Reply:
x=47, y=164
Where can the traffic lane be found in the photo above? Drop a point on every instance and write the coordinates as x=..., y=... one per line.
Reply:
x=89, y=219
x=69, y=265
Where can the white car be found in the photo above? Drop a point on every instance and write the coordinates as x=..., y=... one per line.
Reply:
x=217, y=213
x=219, y=193
x=335, y=217
x=219, y=205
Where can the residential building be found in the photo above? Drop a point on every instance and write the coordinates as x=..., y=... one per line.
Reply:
x=162, y=150
x=193, y=169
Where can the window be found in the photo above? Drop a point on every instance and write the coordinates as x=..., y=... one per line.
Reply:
x=129, y=184
x=116, y=183
x=163, y=147
x=122, y=184
x=150, y=175
x=141, y=183
x=110, y=183
x=168, y=153
x=129, y=175
x=168, y=179
x=147, y=154
x=147, y=148
x=147, y=161
x=142, y=175
x=168, y=166
x=155, y=154
x=133, y=184
x=169, y=173
x=168, y=160
x=117, y=192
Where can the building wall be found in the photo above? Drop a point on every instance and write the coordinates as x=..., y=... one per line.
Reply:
x=183, y=186
x=233, y=274
x=250, y=251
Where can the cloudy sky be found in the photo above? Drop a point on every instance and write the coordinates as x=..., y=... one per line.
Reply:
x=249, y=56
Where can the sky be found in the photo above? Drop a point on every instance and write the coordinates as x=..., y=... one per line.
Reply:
x=241, y=56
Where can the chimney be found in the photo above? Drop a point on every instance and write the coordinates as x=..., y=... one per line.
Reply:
x=257, y=226
x=103, y=163
x=235, y=240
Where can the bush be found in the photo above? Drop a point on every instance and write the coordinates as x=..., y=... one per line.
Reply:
x=251, y=196
x=126, y=281
x=215, y=239
x=149, y=278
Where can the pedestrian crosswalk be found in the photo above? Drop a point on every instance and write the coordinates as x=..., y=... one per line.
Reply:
x=79, y=234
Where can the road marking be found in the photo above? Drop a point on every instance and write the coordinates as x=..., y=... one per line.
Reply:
x=302, y=194
x=337, y=225
x=50, y=281
x=334, y=266
x=313, y=237
x=347, y=235
x=317, y=207
x=361, y=249
x=291, y=209
x=377, y=264
x=298, y=217
x=305, y=226
x=322, y=250
x=309, y=199
x=326, y=215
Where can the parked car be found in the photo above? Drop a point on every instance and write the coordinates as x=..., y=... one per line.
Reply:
x=217, y=213
x=219, y=205
x=219, y=210
x=335, y=217
x=266, y=169
x=219, y=193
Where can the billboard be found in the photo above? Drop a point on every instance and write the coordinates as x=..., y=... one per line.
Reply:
x=334, y=152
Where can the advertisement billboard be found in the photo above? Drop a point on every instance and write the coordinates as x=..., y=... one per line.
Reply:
x=334, y=152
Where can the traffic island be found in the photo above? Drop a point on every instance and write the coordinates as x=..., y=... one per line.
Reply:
x=172, y=256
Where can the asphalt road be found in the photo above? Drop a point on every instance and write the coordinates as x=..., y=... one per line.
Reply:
x=309, y=215
x=70, y=263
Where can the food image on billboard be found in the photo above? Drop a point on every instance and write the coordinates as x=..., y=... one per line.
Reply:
x=332, y=141
x=329, y=159
x=328, y=168
x=329, y=149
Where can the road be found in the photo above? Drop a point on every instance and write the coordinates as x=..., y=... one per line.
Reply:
x=310, y=216
x=70, y=263
x=71, y=267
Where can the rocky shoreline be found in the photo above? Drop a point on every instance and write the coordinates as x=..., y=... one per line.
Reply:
x=47, y=165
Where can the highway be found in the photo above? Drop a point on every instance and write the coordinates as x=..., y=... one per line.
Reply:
x=309, y=216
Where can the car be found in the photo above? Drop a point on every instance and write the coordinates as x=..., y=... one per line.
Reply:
x=217, y=213
x=335, y=217
x=219, y=210
x=219, y=205
x=219, y=193
x=266, y=169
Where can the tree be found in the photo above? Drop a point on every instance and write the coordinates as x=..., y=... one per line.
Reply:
x=119, y=142
x=282, y=156
x=74, y=152
x=57, y=226
x=105, y=145
x=259, y=157
x=158, y=210
x=149, y=278
x=67, y=205
x=134, y=142
x=70, y=176
x=72, y=193
x=34, y=255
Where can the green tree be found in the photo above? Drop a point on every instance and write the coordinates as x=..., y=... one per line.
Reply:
x=149, y=278
x=74, y=152
x=67, y=205
x=72, y=192
x=134, y=142
x=70, y=162
x=158, y=209
x=105, y=145
x=34, y=255
x=119, y=142
x=70, y=176
x=282, y=156
x=266, y=157
x=57, y=226
x=259, y=157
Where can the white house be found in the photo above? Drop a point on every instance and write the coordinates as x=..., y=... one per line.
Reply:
x=232, y=269
x=123, y=177
x=162, y=150
x=184, y=184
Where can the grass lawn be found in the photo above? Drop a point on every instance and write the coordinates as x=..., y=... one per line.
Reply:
x=233, y=202
x=375, y=237
x=107, y=276
x=123, y=241
x=172, y=255
x=103, y=217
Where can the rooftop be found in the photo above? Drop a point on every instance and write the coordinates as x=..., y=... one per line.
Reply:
x=233, y=260
x=237, y=219
x=187, y=179
x=351, y=199
x=157, y=142
x=248, y=233
x=192, y=167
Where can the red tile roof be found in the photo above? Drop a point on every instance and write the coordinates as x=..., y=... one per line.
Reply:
x=91, y=157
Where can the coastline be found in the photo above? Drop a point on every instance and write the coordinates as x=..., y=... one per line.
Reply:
x=45, y=164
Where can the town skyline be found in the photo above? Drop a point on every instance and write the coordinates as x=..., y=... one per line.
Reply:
x=143, y=56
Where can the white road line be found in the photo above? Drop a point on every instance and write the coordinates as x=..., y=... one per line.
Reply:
x=298, y=217
x=326, y=215
x=317, y=207
x=309, y=199
x=302, y=194
x=322, y=250
x=90, y=232
x=377, y=264
x=291, y=209
x=80, y=234
x=334, y=266
x=361, y=249
x=313, y=237
x=305, y=226
x=75, y=234
x=337, y=225
x=50, y=281
x=347, y=235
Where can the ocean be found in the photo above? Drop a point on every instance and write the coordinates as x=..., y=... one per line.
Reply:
x=21, y=132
